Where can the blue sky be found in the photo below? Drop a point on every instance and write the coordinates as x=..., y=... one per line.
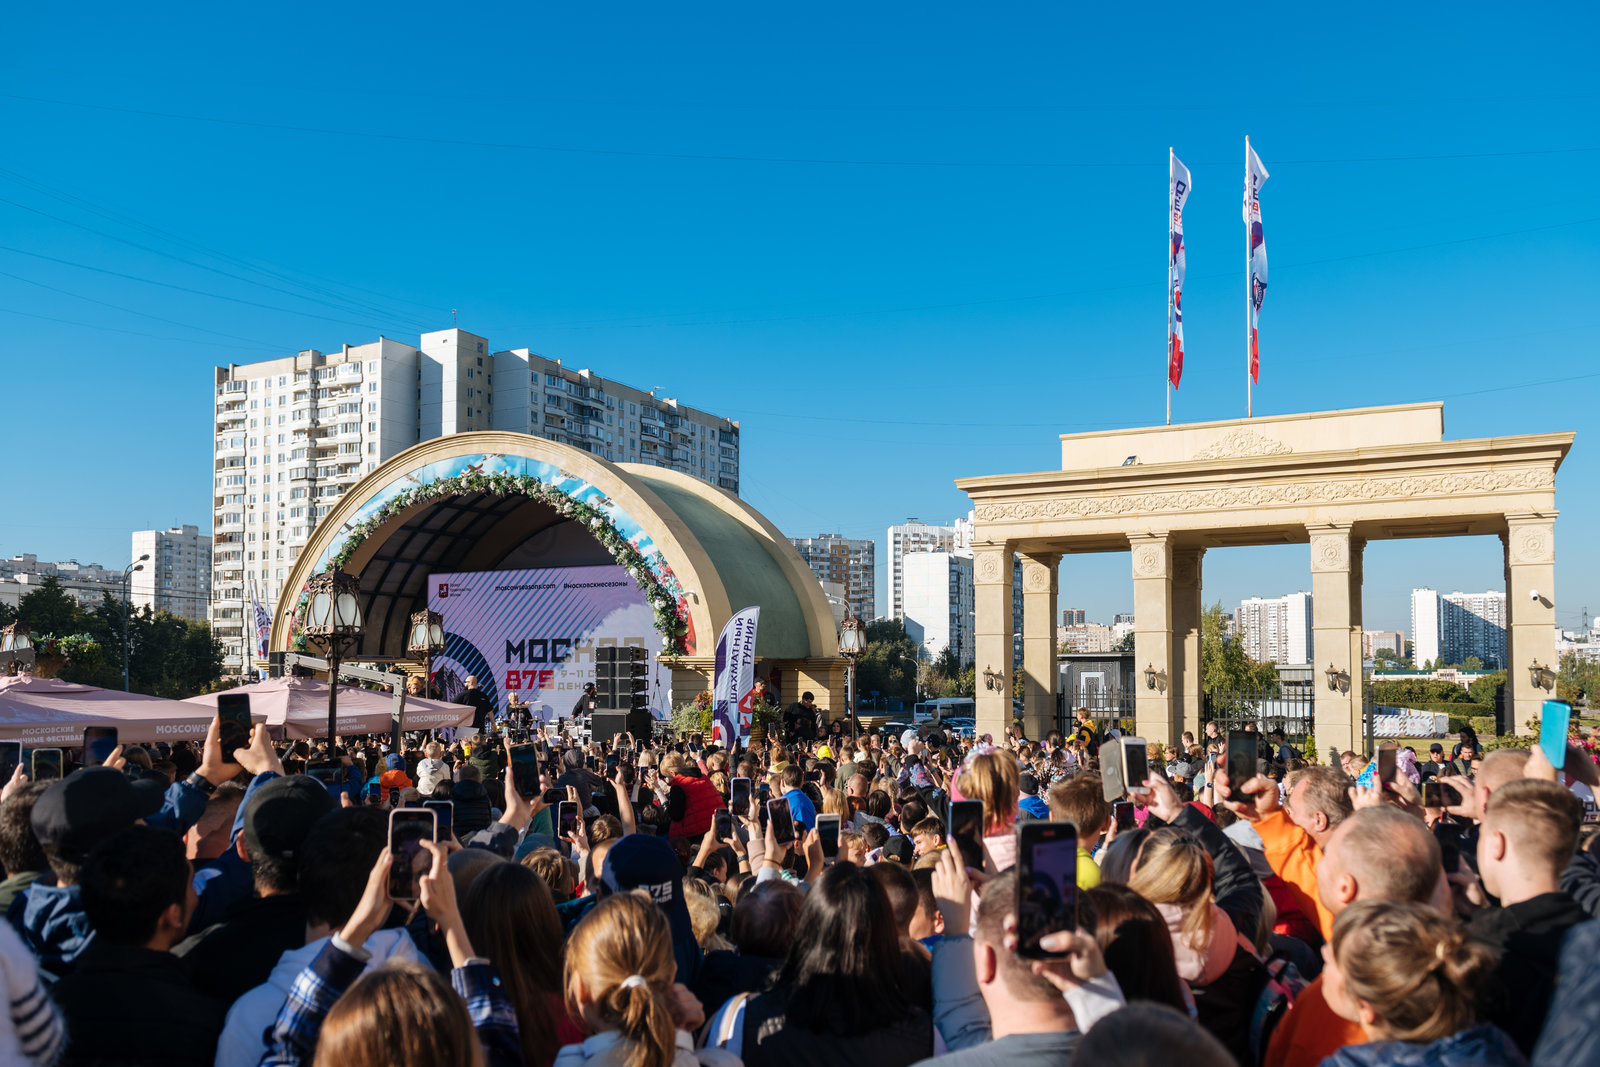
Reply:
x=902, y=243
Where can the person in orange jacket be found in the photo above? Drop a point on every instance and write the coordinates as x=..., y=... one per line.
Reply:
x=393, y=777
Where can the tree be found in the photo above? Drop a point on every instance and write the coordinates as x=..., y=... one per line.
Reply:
x=8, y=614
x=1125, y=644
x=1413, y=691
x=1577, y=676
x=889, y=665
x=1224, y=666
x=1472, y=663
x=1486, y=690
x=50, y=610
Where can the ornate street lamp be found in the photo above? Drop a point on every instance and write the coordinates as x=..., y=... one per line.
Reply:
x=127, y=573
x=1536, y=675
x=852, y=643
x=426, y=640
x=333, y=617
x=993, y=679
x=1338, y=681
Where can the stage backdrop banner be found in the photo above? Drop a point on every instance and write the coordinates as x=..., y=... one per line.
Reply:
x=533, y=633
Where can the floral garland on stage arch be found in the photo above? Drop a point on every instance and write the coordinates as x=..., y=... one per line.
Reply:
x=654, y=576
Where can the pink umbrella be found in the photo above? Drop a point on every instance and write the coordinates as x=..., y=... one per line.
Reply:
x=299, y=708
x=49, y=712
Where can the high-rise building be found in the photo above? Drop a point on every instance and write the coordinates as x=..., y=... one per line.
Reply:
x=914, y=535
x=1086, y=637
x=1452, y=627
x=1072, y=617
x=1276, y=629
x=293, y=434
x=177, y=576
x=1372, y=641
x=849, y=563
x=939, y=603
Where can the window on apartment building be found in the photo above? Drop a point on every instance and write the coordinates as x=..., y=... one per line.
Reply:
x=372, y=387
x=469, y=372
x=372, y=366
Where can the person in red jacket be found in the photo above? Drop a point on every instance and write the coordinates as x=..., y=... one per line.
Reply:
x=692, y=801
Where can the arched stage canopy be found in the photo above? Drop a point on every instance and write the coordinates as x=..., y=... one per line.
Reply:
x=500, y=501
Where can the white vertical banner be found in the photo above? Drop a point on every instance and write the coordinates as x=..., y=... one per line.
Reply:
x=1255, y=176
x=735, y=678
x=1178, y=186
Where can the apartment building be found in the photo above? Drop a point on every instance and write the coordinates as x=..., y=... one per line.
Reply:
x=850, y=564
x=87, y=583
x=914, y=535
x=1372, y=641
x=1452, y=627
x=1073, y=617
x=1086, y=637
x=293, y=434
x=177, y=576
x=1276, y=629
x=939, y=603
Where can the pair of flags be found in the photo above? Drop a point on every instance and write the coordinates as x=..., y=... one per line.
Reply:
x=1178, y=187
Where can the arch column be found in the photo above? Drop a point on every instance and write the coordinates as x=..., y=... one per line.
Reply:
x=1040, y=585
x=992, y=568
x=1188, y=607
x=1336, y=634
x=1152, y=637
x=1530, y=555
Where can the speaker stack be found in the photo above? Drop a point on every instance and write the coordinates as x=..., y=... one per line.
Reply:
x=622, y=692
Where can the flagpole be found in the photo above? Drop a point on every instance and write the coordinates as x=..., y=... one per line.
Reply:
x=1249, y=386
x=1168, y=345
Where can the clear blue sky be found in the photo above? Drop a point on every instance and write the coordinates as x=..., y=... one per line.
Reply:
x=726, y=231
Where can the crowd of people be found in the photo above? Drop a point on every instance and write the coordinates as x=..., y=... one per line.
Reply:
x=602, y=903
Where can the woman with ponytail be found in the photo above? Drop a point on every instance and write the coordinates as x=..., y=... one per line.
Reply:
x=1409, y=978
x=619, y=986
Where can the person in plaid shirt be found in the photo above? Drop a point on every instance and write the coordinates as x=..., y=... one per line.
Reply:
x=353, y=1019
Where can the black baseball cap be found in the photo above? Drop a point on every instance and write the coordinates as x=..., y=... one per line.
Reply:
x=88, y=806
x=281, y=813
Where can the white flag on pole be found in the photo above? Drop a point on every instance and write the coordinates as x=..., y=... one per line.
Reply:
x=1255, y=176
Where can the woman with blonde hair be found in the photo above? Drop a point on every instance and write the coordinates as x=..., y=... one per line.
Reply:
x=1211, y=901
x=619, y=985
x=1410, y=978
x=993, y=776
x=834, y=803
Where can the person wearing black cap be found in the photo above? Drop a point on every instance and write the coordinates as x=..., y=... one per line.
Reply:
x=69, y=819
x=136, y=892
x=233, y=957
x=648, y=863
x=1436, y=764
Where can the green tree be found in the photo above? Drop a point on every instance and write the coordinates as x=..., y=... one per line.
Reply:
x=1577, y=676
x=1486, y=690
x=1411, y=691
x=889, y=665
x=1224, y=666
x=8, y=614
x=947, y=663
x=50, y=610
x=1472, y=663
x=1125, y=644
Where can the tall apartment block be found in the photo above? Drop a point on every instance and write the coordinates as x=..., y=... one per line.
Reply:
x=914, y=535
x=1451, y=627
x=293, y=434
x=940, y=603
x=850, y=563
x=1073, y=617
x=87, y=583
x=177, y=576
x=1276, y=629
x=1374, y=641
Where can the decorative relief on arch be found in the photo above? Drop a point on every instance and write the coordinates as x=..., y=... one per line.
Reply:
x=1035, y=577
x=1330, y=552
x=1533, y=544
x=1222, y=498
x=989, y=566
x=1149, y=561
x=1242, y=443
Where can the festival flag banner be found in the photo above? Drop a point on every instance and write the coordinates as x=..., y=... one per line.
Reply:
x=1178, y=194
x=735, y=678
x=263, y=623
x=1255, y=176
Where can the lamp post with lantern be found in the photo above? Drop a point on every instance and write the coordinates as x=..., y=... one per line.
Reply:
x=852, y=643
x=16, y=647
x=333, y=617
x=127, y=573
x=427, y=640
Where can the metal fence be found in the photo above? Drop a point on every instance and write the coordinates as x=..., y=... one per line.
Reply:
x=1107, y=708
x=1293, y=713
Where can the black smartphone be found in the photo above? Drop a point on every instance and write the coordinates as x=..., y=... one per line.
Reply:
x=966, y=831
x=1135, y=763
x=722, y=829
x=408, y=829
x=234, y=708
x=1123, y=811
x=1241, y=761
x=525, y=769
x=46, y=764
x=1448, y=835
x=10, y=756
x=98, y=744
x=445, y=813
x=1439, y=795
x=739, y=797
x=1047, y=883
x=330, y=772
x=552, y=796
x=781, y=820
x=1386, y=754
x=566, y=819
x=828, y=833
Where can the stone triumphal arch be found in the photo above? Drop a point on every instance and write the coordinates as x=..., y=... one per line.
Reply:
x=1334, y=480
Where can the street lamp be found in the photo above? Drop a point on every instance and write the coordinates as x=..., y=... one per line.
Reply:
x=127, y=573
x=426, y=640
x=15, y=640
x=852, y=643
x=1536, y=674
x=333, y=617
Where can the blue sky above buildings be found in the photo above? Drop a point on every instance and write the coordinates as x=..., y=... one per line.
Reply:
x=901, y=243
